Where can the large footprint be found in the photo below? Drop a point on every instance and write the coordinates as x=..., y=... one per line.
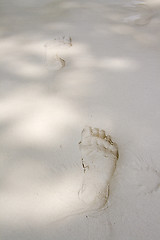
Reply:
x=99, y=157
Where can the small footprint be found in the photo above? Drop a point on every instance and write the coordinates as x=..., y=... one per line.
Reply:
x=147, y=177
x=138, y=13
x=55, y=52
x=148, y=180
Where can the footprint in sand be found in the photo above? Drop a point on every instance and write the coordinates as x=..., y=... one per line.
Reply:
x=148, y=179
x=87, y=192
x=55, y=52
x=138, y=13
x=99, y=157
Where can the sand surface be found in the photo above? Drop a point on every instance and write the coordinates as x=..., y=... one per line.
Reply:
x=65, y=65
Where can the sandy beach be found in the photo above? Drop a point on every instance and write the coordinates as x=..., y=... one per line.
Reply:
x=66, y=65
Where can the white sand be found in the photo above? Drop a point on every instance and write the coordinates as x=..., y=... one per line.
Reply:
x=110, y=80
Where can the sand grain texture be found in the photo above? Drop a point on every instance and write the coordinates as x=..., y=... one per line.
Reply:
x=102, y=71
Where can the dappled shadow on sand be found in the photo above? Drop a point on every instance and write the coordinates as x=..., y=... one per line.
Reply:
x=43, y=112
